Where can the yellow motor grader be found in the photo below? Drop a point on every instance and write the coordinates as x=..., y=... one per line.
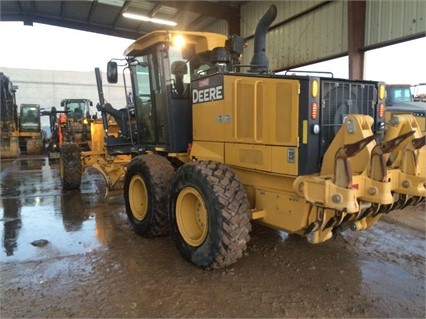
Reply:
x=207, y=146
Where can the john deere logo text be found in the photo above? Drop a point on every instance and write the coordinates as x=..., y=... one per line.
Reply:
x=206, y=95
x=208, y=89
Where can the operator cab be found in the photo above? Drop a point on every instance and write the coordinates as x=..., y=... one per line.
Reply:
x=160, y=84
x=396, y=94
x=77, y=109
x=29, y=118
x=161, y=64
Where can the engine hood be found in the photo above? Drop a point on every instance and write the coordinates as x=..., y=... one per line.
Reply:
x=408, y=106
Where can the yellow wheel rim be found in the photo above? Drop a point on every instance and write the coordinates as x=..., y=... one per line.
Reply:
x=191, y=216
x=138, y=197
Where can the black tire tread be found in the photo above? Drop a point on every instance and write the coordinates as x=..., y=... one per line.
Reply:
x=160, y=172
x=72, y=171
x=232, y=203
x=34, y=146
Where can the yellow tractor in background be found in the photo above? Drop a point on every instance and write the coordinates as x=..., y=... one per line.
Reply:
x=31, y=136
x=21, y=132
x=207, y=146
x=77, y=115
x=9, y=119
x=70, y=124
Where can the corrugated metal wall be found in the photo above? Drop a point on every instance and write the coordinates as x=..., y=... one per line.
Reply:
x=388, y=21
x=317, y=34
x=310, y=31
x=218, y=26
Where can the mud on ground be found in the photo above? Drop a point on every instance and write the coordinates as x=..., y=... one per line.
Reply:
x=94, y=265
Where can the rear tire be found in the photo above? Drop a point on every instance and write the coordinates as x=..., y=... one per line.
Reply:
x=146, y=186
x=209, y=214
x=70, y=166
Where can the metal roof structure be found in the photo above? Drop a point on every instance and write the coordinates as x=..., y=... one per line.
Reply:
x=105, y=16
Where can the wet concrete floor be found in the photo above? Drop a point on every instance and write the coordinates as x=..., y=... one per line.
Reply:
x=94, y=265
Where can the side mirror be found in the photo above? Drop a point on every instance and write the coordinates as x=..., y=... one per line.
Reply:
x=112, y=74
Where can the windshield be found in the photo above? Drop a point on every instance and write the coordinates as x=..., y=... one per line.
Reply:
x=78, y=109
x=398, y=95
x=30, y=118
x=29, y=115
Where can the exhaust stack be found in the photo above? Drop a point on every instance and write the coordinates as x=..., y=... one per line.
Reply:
x=260, y=62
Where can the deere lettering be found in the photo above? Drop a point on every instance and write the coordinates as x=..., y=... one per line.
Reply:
x=207, y=94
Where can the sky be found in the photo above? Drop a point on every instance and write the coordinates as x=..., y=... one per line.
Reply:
x=403, y=63
x=53, y=48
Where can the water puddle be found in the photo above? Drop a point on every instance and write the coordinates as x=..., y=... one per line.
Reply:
x=34, y=207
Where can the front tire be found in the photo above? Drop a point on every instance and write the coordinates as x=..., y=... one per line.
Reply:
x=34, y=146
x=70, y=166
x=146, y=185
x=209, y=214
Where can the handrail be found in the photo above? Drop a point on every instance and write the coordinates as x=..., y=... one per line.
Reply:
x=255, y=111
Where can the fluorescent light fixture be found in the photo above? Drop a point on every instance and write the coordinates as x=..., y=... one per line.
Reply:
x=144, y=18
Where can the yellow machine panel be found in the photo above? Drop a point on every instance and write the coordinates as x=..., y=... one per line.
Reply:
x=275, y=159
x=98, y=134
x=249, y=156
x=261, y=110
x=285, y=210
x=248, y=110
x=209, y=151
x=285, y=160
x=251, y=116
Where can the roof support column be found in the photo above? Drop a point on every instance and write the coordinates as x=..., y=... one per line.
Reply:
x=234, y=26
x=356, y=37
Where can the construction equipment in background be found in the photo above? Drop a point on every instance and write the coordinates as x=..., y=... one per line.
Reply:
x=419, y=92
x=70, y=125
x=20, y=133
x=76, y=117
x=59, y=129
x=9, y=119
x=205, y=149
x=31, y=137
x=400, y=100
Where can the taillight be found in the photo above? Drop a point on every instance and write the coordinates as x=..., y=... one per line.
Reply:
x=314, y=110
x=381, y=110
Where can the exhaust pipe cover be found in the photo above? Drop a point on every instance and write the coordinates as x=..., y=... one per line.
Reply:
x=260, y=62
